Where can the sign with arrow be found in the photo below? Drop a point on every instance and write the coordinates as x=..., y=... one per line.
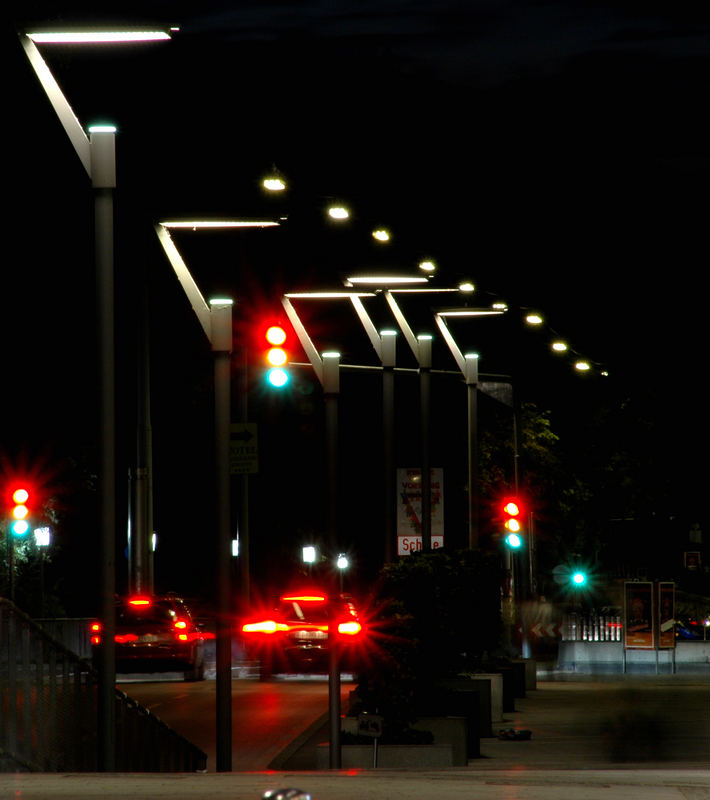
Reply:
x=243, y=449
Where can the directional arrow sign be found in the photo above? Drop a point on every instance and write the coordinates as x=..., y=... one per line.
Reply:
x=243, y=449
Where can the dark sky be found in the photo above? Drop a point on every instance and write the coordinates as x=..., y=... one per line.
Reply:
x=556, y=152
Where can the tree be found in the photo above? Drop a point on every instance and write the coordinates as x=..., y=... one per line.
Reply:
x=434, y=615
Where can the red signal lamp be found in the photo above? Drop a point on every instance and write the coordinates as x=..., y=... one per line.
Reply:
x=20, y=511
x=512, y=510
x=276, y=355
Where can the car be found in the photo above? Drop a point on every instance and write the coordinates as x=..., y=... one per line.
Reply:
x=155, y=633
x=296, y=635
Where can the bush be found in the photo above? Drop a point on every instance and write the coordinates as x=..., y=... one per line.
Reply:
x=435, y=615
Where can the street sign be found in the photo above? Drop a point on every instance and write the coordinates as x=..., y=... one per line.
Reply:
x=410, y=544
x=409, y=508
x=369, y=725
x=243, y=449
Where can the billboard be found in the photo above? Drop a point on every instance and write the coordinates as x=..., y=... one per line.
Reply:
x=639, y=627
x=666, y=614
x=409, y=509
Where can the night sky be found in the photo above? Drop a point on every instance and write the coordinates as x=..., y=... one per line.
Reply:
x=556, y=153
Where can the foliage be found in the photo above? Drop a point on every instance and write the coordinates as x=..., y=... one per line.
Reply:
x=435, y=614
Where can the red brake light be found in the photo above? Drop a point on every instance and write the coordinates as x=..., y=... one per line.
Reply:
x=94, y=632
x=264, y=626
x=123, y=638
x=180, y=624
x=350, y=628
x=303, y=598
x=139, y=601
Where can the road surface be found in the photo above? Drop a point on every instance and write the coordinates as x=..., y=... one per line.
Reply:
x=266, y=716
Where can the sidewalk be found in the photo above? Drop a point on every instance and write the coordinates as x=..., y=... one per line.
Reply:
x=620, y=722
x=616, y=739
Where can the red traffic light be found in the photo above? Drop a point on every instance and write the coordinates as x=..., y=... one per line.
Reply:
x=19, y=510
x=276, y=355
x=512, y=509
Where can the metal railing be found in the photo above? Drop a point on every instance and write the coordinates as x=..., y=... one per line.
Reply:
x=592, y=627
x=48, y=711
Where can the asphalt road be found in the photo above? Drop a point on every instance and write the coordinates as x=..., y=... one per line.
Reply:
x=266, y=716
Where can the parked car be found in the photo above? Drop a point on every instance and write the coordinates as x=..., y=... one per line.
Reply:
x=155, y=634
x=296, y=636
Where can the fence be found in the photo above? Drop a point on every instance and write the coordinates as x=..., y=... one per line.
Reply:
x=592, y=627
x=48, y=711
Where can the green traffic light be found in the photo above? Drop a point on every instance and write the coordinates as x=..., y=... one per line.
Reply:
x=20, y=527
x=579, y=578
x=514, y=541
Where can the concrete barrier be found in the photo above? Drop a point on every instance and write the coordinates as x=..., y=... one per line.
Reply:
x=388, y=755
x=610, y=658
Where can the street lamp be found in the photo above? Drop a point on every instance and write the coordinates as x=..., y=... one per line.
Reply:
x=468, y=365
x=216, y=321
x=97, y=154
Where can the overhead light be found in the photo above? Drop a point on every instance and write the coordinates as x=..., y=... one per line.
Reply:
x=96, y=36
x=384, y=280
x=467, y=286
x=427, y=266
x=219, y=223
x=327, y=295
x=533, y=319
x=582, y=366
x=338, y=212
x=559, y=347
x=471, y=312
x=381, y=234
x=273, y=184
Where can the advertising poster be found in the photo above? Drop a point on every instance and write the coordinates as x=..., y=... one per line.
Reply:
x=409, y=510
x=638, y=615
x=666, y=614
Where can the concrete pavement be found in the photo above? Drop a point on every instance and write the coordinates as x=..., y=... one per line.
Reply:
x=636, y=739
x=451, y=784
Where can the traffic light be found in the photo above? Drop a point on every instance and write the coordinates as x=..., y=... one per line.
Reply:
x=578, y=578
x=512, y=509
x=19, y=511
x=276, y=355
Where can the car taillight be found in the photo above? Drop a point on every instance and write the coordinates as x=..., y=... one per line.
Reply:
x=139, y=600
x=264, y=626
x=303, y=598
x=349, y=628
x=95, y=632
x=125, y=638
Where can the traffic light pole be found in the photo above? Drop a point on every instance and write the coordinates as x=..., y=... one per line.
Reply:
x=221, y=341
x=216, y=322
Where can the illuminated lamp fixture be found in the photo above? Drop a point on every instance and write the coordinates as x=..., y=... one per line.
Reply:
x=384, y=280
x=338, y=213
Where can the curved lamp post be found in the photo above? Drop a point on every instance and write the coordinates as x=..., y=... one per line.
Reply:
x=216, y=321
x=97, y=155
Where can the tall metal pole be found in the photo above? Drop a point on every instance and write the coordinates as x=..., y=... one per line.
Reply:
x=331, y=390
x=471, y=378
x=140, y=563
x=221, y=341
x=389, y=345
x=103, y=180
x=425, y=423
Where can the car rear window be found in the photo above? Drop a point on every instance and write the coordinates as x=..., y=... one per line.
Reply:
x=155, y=614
